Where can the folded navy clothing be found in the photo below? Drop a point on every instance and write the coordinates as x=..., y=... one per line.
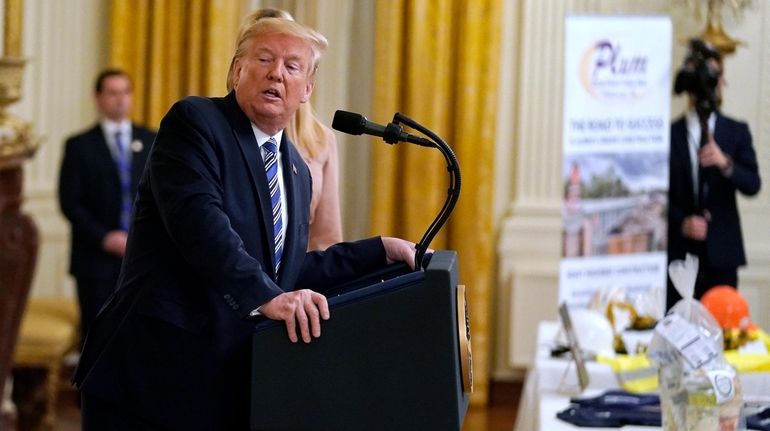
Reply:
x=613, y=409
x=759, y=421
x=618, y=398
x=593, y=417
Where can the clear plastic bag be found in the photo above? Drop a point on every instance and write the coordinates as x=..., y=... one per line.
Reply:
x=699, y=390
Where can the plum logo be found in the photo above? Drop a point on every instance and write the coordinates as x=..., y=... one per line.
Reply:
x=607, y=72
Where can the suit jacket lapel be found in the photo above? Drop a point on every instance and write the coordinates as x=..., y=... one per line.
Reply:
x=247, y=143
x=137, y=161
x=682, y=146
x=289, y=160
x=104, y=156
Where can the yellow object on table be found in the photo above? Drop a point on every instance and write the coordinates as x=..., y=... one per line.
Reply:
x=636, y=373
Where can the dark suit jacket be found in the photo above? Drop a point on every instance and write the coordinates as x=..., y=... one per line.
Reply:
x=90, y=198
x=724, y=242
x=172, y=344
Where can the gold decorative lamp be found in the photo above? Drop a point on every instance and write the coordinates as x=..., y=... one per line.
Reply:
x=18, y=233
x=714, y=34
x=16, y=139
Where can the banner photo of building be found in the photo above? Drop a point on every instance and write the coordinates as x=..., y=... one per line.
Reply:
x=617, y=91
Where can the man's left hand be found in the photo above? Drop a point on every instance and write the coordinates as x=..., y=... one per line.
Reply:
x=399, y=250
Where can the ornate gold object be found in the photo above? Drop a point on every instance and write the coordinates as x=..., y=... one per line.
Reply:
x=14, y=13
x=16, y=137
x=714, y=34
x=464, y=335
x=734, y=338
x=18, y=233
x=637, y=322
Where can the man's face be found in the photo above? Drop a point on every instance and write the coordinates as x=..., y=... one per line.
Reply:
x=114, y=100
x=272, y=79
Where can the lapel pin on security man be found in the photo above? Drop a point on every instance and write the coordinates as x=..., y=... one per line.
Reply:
x=294, y=169
x=136, y=145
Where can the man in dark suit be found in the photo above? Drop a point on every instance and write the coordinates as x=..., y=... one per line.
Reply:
x=219, y=234
x=706, y=223
x=99, y=175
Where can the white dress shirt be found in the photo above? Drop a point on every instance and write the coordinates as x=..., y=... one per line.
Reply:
x=262, y=139
x=109, y=128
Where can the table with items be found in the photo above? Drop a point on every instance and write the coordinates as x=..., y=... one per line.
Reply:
x=552, y=382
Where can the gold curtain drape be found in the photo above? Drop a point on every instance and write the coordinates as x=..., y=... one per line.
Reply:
x=446, y=78
x=172, y=49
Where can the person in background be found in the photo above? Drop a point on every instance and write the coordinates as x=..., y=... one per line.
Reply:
x=318, y=146
x=707, y=224
x=99, y=174
x=218, y=238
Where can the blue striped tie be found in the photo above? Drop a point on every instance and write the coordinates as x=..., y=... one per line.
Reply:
x=271, y=168
x=124, y=173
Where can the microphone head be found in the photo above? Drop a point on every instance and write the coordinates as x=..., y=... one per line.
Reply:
x=349, y=122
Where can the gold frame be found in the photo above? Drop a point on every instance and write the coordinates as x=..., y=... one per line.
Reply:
x=464, y=336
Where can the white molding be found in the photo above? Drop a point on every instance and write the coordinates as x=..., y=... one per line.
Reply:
x=533, y=298
x=754, y=280
x=528, y=246
x=749, y=92
x=510, y=375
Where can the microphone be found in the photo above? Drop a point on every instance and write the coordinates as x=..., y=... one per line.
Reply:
x=356, y=124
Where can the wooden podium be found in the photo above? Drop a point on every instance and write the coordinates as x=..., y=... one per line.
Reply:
x=395, y=355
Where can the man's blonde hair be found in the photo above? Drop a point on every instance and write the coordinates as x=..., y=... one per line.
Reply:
x=254, y=28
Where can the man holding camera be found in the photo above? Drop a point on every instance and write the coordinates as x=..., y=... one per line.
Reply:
x=711, y=158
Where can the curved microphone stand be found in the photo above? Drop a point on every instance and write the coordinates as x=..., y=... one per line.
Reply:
x=453, y=192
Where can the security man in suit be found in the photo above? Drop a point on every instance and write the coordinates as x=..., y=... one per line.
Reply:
x=219, y=235
x=99, y=175
x=703, y=214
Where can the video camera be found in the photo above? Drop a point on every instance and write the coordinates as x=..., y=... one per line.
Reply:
x=699, y=77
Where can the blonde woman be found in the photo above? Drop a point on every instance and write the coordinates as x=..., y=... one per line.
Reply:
x=318, y=146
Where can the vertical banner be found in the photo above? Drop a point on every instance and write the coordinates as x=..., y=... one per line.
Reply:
x=617, y=94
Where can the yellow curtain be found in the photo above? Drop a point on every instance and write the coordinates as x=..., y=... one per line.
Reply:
x=172, y=49
x=437, y=62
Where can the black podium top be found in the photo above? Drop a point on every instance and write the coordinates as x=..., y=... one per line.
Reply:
x=357, y=291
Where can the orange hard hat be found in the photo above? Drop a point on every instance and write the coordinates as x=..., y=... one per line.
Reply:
x=728, y=307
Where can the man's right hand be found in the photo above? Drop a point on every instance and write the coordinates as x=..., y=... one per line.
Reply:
x=695, y=227
x=115, y=242
x=305, y=307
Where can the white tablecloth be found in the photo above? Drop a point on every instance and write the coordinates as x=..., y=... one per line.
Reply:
x=541, y=400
